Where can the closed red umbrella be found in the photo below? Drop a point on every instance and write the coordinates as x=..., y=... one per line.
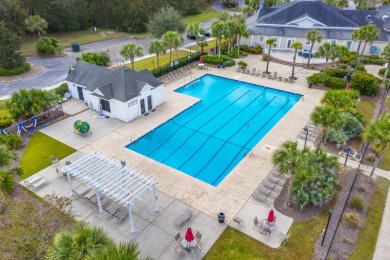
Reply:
x=271, y=216
x=201, y=59
x=189, y=239
x=347, y=87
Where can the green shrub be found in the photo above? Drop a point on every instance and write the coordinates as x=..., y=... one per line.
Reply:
x=19, y=70
x=373, y=61
x=265, y=56
x=343, y=66
x=233, y=54
x=243, y=53
x=351, y=126
x=46, y=46
x=349, y=57
x=5, y=120
x=100, y=59
x=6, y=181
x=361, y=66
x=242, y=64
x=338, y=73
x=366, y=83
x=337, y=136
x=11, y=141
x=356, y=203
x=382, y=72
x=215, y=60
x=229, y=63
x=316, y=78
x=374, y=57
x=252, y=50
x=62, y=89
x=329, y=82
x=351, y=219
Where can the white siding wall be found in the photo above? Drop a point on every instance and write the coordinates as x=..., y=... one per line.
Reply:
x=73, y=89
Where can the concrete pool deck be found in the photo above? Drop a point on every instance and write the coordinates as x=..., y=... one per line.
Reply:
x=232, y=196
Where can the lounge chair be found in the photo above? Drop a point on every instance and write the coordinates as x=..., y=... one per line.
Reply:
x=35, y=181
x=81, y=192
x=121, y=214
x=183, y=217
x=284, y=237
x=264, y=190
x=273, y=179
x=264, y=74
x=253, y=71
x=258, y=72
x=291, y=80
x=54, y=159
x=269, y=185
x=112, y=208
x=260, y=197
x=285, y=79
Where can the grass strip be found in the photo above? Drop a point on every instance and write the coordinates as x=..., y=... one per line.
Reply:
x=368, y=237
x=38, y=152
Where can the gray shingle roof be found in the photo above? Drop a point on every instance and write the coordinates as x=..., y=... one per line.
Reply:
x=124, y=84
x=85, y=73
x=328, y=15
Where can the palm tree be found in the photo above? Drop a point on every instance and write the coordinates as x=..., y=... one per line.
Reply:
x=241, y=30
x=327, y=51
x=79, y=245
x=158, y=48
x=295, y=46
x=202, y=43
x=370, y=33
x=289, y=160
x=195, y=30
x=177, y=43
x=270, y=43
x=379, y=135
x=123, y=251
x=313, y=36
x=386, y=55
x=169, y=39
x=342, y=51
x=230, y=31
x=217, y=31
x=130, y=50
x=343, y=100
x=35, y=23
x=6, y=156
x=327, y=117
x=357, y=35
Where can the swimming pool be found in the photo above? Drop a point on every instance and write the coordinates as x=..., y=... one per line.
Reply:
x=211, y=137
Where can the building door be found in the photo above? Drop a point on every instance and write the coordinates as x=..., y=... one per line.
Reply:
x=150, y=103
x=105, y=105
x=142, y=104
x=289, y=42
x=80, y=91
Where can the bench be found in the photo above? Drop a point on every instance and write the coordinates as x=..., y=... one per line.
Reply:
x=183, y=217
x=35, y=181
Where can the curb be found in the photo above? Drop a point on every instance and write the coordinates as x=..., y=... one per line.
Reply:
x=16, y=80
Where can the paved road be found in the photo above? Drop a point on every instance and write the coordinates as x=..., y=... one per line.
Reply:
x=57, y=68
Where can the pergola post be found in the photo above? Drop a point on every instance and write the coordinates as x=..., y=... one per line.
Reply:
x=98, y=201
x=69, y=180
x=131, y=220
x=155, y=198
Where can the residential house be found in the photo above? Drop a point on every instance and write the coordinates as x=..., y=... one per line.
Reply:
x=122, y=93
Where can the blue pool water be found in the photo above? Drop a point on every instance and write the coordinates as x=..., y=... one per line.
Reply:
x=210, y=138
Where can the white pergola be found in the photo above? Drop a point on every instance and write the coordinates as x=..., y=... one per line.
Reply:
x=112, y=179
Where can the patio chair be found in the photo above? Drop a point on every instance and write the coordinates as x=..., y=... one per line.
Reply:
x=285, y=79
x=198, y=236
x=284, y=237
x=196, y=250
x=291, y=80
x=178, y=250
x=269, y=76
x=178, y=238
x=54, y=159
x=258, y=72
x=257, y=223
x=238, y=69
x=253, y=71
x=183, y=217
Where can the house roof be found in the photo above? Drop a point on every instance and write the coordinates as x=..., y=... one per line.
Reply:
x=85, y=73
x=279, y=20
x=122, y=84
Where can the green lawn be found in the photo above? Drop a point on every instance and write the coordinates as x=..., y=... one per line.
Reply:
x=211, y=45
x=40, y=148
x=164, y=59
x=368, y=237
x=234, y=244
x=65, y=38
x=203, y=16
x=368, y=108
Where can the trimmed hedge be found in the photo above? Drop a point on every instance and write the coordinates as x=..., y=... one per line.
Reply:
x=338, y=73
x=373, y=61
x=46, y=46
x=366, y=83
x=20, y=70
x=215, y=60
x=382, y=72
x=328, y=81
x=252, y=50
x=361, y=66
x=343, y=66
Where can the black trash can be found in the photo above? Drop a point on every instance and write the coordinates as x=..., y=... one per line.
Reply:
x=75, y=46
x=310, y=85
x=221, y=217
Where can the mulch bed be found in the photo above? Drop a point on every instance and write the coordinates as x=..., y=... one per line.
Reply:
x=346, y=237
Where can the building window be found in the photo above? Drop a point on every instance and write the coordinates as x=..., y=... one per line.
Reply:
x=348, y=44
x=276, y=39
x=332, y=41
x=307, y=42
x=105, y=105
x=132, y=103
x=262, y=38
